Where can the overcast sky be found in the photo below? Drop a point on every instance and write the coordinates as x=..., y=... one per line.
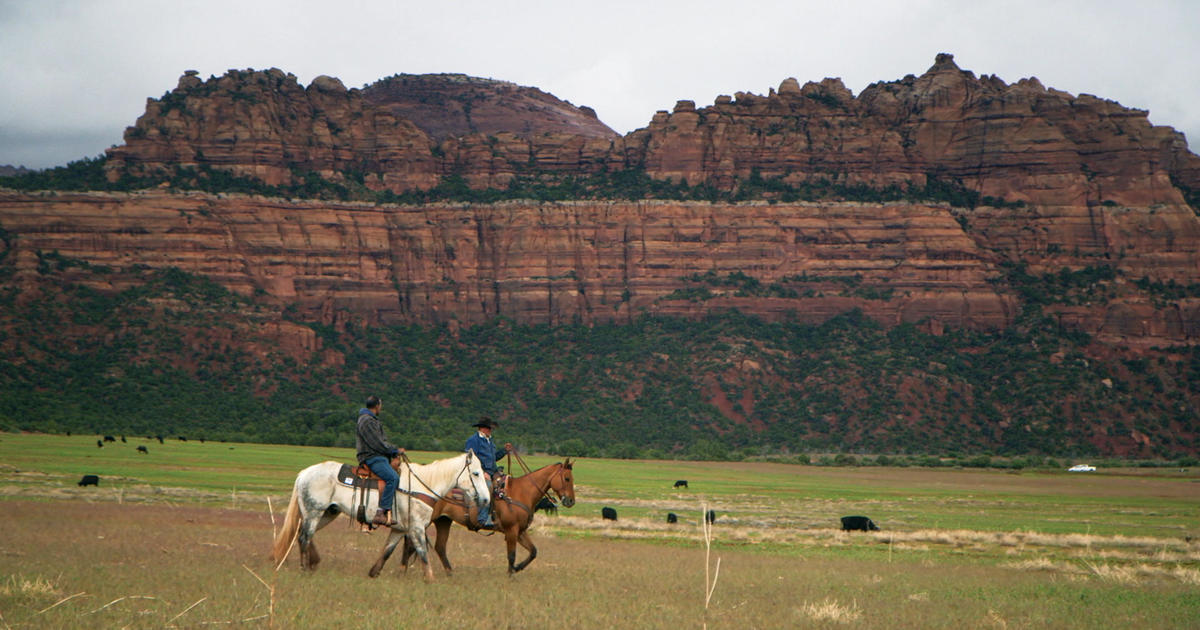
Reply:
x=76, y=73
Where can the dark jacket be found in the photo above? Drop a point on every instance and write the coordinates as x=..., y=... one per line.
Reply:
x=369, y=438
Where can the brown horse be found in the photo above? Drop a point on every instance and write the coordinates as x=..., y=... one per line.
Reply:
x=513, y=512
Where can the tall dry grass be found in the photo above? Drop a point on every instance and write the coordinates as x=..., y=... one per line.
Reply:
x=157, y=566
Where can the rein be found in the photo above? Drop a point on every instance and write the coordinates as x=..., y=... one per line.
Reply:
x=413, y=475
x=544, y=493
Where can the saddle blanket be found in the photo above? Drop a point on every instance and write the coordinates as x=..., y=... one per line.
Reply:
x=347, y=477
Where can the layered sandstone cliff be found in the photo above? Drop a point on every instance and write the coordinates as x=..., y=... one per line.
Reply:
x=264, y=124
x=1059, y=181
x=1018, y=142
x=553, y=263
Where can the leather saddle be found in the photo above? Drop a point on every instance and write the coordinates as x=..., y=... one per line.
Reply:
x=360, y=477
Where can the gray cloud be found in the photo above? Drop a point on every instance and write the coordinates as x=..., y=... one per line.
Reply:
x=75, y=74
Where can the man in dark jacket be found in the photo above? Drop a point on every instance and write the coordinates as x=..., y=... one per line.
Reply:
x=488, y=453
x=376, y=452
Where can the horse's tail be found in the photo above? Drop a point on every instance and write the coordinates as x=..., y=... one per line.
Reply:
x=291, y=525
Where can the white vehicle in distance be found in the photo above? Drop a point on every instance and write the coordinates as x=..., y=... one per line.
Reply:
x=1082, y=468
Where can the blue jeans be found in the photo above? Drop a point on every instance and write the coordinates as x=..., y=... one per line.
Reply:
x=485, y=517
x=382, y=466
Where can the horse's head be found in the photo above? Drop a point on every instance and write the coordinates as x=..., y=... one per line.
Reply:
x=473, y=482
x=563, y=483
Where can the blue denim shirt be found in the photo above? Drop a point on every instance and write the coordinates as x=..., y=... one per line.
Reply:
x=486, y=451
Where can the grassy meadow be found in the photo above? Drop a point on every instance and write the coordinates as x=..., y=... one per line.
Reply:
x=179, y=537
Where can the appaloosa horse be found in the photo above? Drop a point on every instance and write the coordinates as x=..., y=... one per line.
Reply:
x=514, y=513
x=318, y=497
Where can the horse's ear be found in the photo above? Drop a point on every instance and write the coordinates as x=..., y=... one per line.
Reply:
x=567, y=463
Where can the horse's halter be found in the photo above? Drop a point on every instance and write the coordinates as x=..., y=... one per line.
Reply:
x=562, y=472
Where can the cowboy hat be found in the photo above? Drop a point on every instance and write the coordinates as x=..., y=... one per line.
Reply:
x=485, y=423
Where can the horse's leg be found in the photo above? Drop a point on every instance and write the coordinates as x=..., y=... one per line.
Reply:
x=394, y=538
x=407, y=554
x=309, y=556
x=308, y=527
x=443, y=534
x=327, y=517
x=510, y=540
x=527, y=543
x=420, y=543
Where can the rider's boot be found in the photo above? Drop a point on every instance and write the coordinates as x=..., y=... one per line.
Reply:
x=383, y=518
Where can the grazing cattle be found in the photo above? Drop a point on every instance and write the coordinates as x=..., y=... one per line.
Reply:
x=159, y=439
x=682, y=483
x=608, y=514
x=671, y=518
x=123, y=439
x=143, y=449
x=182, y=439
x=89, y=480
x=99, y=444
x=109, y=438
x=710, y=517
x=546, y=505
x=859, y=523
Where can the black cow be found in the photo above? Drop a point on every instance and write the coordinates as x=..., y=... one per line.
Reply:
x=710, y=517
x=90, y=480
x=608, y=514
x=682, y=483
x=109, y=438
x=671, y=518
x=123, y=439
x=159, y=439
x=99, y=444
x=143, y=449
x=546, y=505
x=182, y=439
x=859, y=523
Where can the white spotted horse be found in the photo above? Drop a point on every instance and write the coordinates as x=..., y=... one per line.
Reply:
x=319, y=496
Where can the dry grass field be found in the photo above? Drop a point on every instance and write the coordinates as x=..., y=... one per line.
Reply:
x=170, y=543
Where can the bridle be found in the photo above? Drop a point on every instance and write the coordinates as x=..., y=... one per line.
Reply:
x=412, y=474
x=562, y=468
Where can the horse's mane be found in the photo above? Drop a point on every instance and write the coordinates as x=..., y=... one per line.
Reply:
x=434, y=472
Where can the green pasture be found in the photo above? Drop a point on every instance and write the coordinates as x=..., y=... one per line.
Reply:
x=178, y=537
x=1124, y=502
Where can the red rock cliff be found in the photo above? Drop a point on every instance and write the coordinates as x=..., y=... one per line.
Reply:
x=554, y=263
x=1063, y=181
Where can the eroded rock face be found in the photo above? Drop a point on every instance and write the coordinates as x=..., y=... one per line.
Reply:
x=1062, y=181
x=577, y=261
x=1075, y=162
x=1019, y=142
x=448, y=106
x=264, y=124
x=553, y=263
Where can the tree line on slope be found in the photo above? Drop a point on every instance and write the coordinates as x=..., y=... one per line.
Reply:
x=99, y=362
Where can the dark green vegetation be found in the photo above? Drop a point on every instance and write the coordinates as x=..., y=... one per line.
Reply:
x=176, y=354
x=626, y=184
